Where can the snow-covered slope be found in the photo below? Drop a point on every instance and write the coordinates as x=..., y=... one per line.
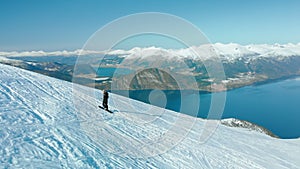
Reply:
x=42, y=126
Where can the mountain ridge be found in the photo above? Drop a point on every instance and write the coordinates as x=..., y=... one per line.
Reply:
x=223, y=49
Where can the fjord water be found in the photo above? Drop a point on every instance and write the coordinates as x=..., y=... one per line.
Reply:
x=275, y=106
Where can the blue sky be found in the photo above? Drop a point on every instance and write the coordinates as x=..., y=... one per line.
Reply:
x=67, y=24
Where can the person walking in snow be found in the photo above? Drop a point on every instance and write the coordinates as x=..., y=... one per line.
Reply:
x=105, y=100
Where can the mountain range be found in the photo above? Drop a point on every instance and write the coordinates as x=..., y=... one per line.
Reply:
x=214, y=67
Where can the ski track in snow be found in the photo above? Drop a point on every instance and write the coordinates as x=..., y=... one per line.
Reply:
x=44, y=126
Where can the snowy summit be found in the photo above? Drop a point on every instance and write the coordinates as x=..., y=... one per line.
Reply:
x=45, y=123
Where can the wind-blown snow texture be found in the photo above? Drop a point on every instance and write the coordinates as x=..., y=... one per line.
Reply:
x=41, y=128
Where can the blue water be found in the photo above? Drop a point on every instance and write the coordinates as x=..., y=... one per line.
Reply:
x=275, y=106
x=112, y=71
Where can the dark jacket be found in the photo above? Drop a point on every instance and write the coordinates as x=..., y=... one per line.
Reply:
x=105, y=99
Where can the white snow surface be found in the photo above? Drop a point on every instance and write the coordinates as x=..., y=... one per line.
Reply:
x=43, y=127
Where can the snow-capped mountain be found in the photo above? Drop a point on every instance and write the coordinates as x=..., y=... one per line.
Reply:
x=227, y=52
x=45, y=123
x=206, y=51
